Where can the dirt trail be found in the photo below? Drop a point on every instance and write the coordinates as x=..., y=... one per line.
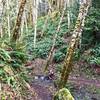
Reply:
x=38, y=66
x=83, y=81
x=46, y=89
x=43, y=92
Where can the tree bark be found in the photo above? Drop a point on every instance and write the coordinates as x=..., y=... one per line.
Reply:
x=16, y=34
x=47, y=17
x=1, y=11
x=67, y=67
x=8, y=18
x=35, y=15
x=68, y=14
x=54, y=39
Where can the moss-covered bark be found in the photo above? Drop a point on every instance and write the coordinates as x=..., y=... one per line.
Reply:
x=67, y=67
x=16, y=34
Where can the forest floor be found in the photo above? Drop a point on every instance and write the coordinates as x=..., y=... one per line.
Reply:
x=83, y=82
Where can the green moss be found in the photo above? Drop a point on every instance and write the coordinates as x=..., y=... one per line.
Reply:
x=63, y=94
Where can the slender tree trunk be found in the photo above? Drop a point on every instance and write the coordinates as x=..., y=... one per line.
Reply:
x=17, y=5
x=16, y=34
x=30, y=4
x=54, y=40
x=80, y=34
x=1, y=12
x=8, y=19
x=68, y=13
x=35, y=14
x=48, y=15
x=67, y=67
x=22, y=25
x=58, y=4
x=62, y=3
x=26, y=23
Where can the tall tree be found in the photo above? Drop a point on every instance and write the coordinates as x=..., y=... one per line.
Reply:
x=16, y=34
x=30, y=15
x=67, y=67
x=47, y=17
x=35, y=14
x=8, y=17
x=1, y=11
x=54, y=39
x=68, y=13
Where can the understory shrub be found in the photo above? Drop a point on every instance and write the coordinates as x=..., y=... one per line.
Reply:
x=95, y=57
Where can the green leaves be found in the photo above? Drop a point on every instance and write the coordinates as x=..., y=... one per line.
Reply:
x=19, y=56
x=43, y=47
x=93, y=20
x=59, y=56
x=95, y=58
x=10, y=59
x=4, y=55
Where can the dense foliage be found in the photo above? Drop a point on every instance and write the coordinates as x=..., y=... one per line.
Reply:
x=14, y=55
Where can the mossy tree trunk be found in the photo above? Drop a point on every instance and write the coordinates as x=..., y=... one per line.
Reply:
x=67, y=67
x=16, y=35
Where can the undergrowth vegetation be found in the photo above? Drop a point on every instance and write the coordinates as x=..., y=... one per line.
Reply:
x=95, y=56
x=44, y=44
x=13, y=57
x=12, y=69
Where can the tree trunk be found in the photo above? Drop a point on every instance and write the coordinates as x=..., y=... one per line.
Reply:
x=16, y=34
x=1, y=11
x=8, y=18
x=67, y=67
x=35, y=14
x=30, y=15
x=68, y=13
x=54, y=39
x=47, y=17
